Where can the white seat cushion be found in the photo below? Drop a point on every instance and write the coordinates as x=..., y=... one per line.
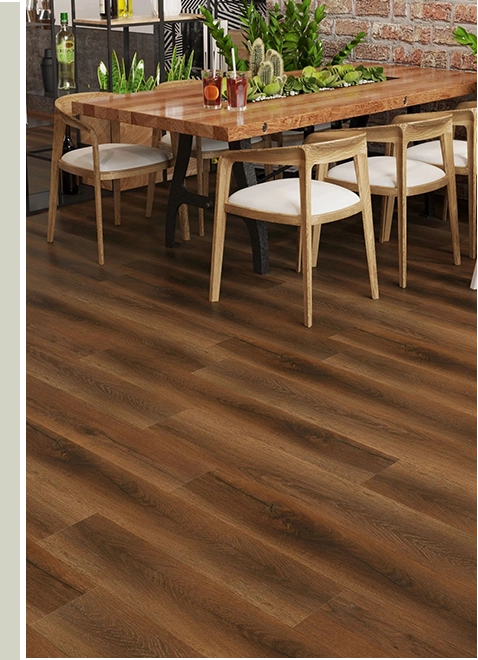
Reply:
x=208, y=144
x=430, y=152
x=117, y=157
x=382, y=171
x=282, y=197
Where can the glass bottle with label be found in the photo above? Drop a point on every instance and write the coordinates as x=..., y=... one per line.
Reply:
x=65, y=54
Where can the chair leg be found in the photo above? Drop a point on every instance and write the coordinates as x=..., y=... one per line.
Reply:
x=53, y=203
x=307, y=273
x=218, y=237
x=315, y=246
x=117, y=201
x=184, y=222
x=402, y=240
x=453, y=215
x=57, y=145
x=369, y=236
x=472, y=214
x=150, y=194
x=388, y=204
x=99, y=223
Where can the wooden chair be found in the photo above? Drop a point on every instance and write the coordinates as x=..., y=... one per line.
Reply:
x=301, y=201
x=101, y=162
x=464, y=152
x=394, y=176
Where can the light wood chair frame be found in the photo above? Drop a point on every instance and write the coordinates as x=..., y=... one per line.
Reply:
x=62, y=117
x=464, y=115
x=397, y=137
x=305, y=158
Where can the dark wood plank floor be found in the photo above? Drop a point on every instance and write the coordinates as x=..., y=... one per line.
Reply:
x=216, y=480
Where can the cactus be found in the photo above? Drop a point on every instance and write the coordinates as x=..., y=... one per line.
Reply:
x=277, y=62
x=266, y=73
x=256, y=56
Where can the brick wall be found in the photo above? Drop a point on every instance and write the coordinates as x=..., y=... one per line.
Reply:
x=414, y=32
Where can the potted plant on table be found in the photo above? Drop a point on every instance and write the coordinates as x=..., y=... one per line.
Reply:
x=284, y=42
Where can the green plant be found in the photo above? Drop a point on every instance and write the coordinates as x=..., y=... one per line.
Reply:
x=121, y=83
x=180, y=69
x=330, y=77
x=293, y=33
x=465, y=38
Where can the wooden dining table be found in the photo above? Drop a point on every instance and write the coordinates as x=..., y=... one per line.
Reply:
x=178, y=108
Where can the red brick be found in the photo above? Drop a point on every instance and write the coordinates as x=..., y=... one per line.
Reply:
x=337, y=7
x=399, y=8
x=435, y=11
x=443, y=36
x=412, y=58
x=463, y=61
x=327, y=26
x=422, y=35
x=372, y=53
x=392, y=32
x=372, y=7
x=350, y=26
x=435, y=59
x=465, y=14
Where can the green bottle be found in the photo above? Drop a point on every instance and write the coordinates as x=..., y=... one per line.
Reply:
x=65, y=55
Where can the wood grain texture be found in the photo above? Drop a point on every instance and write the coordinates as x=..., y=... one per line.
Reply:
x=216, y=480
x=164, y=108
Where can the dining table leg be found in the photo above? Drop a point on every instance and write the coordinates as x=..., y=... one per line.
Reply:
x=245, y=175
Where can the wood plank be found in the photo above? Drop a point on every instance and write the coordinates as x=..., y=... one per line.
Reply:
x=429, y=597
x=159, y=458
x=50, y=583
x=156, y=585
x=352, y=614
x=281, y=586
x=39, y=647
x=100, y=623
x=439, y=494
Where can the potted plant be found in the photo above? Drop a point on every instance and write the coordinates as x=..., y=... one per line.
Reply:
x=293, y=33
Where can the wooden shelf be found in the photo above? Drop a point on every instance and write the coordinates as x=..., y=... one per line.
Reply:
x=134, y=21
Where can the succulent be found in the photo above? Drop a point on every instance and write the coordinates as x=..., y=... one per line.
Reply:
x=256, y=56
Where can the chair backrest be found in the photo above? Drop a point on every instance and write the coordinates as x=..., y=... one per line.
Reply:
x=63, y=107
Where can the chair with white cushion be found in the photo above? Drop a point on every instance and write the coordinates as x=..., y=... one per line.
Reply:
x=100, y=162
x=396, y=176
x=302, y=202
x=464, y=151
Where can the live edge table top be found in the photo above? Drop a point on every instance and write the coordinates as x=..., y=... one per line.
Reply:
x=177, y=107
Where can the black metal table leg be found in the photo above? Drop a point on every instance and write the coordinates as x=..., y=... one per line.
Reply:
x=245, y=175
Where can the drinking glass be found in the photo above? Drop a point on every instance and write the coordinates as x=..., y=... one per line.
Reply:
x=236, y=90
x=211, y=88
